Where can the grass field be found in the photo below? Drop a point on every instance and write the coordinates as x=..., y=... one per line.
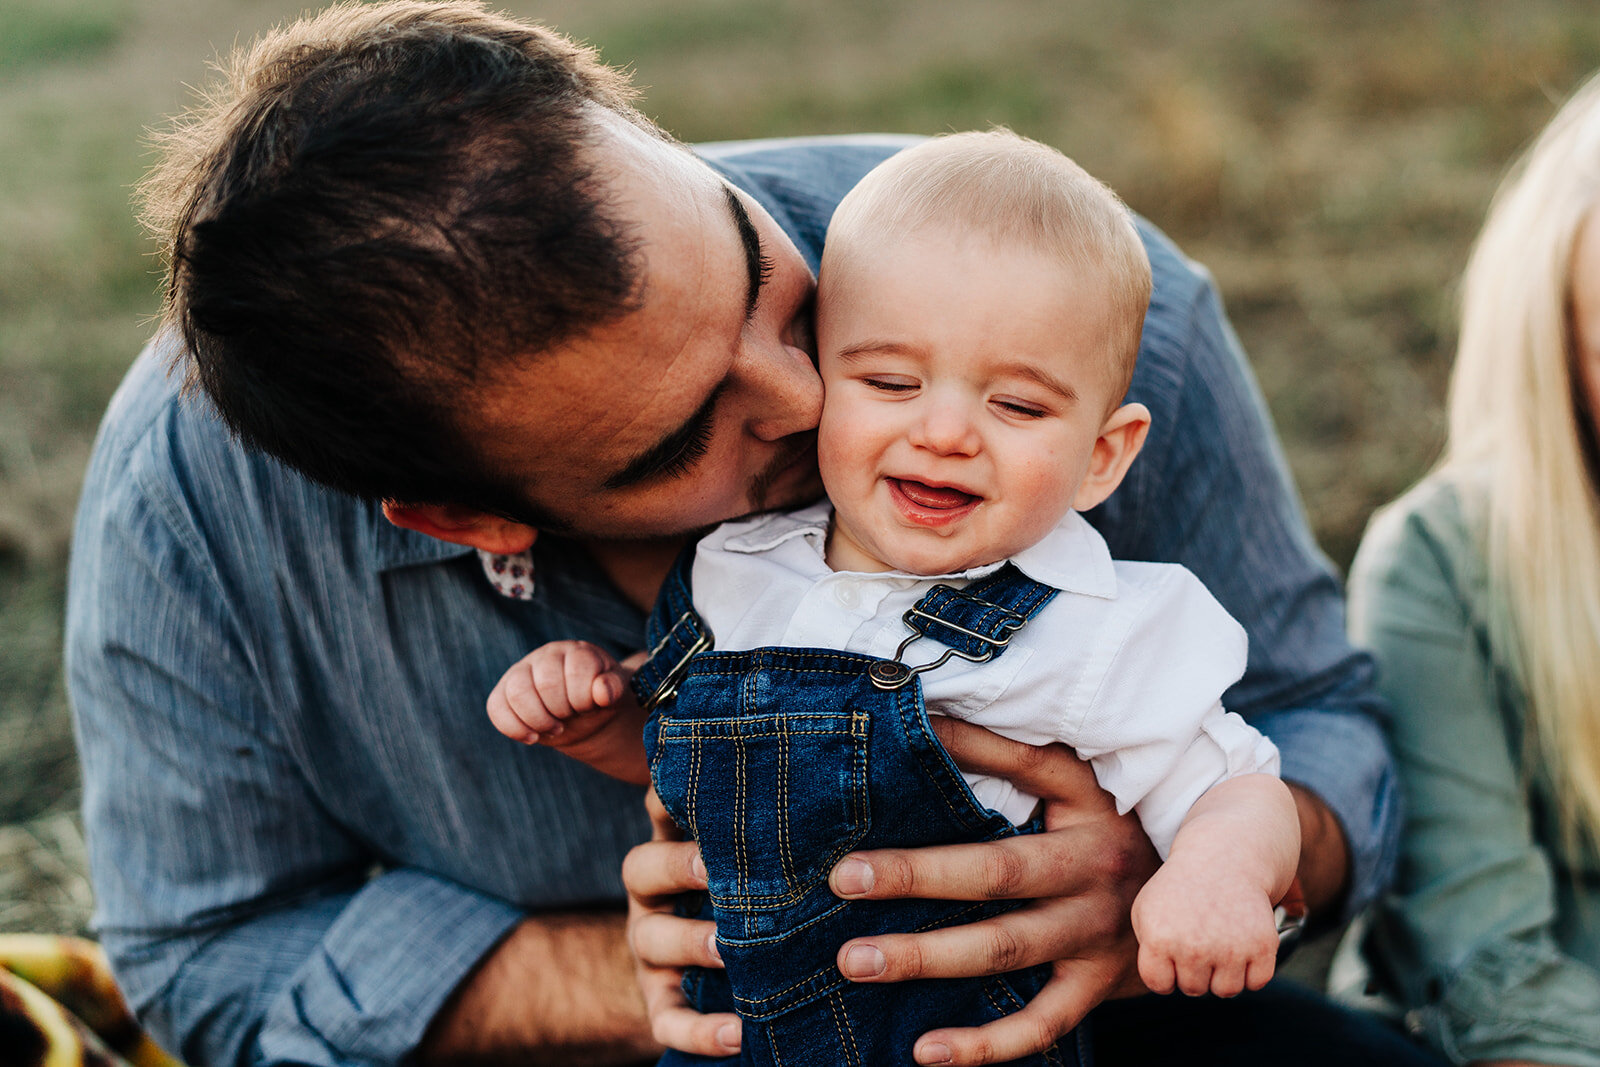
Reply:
x=1328, y=160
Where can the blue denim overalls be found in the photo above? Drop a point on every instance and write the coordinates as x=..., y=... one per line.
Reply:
x=778, y=761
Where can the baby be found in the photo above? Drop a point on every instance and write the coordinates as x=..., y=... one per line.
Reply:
x=979, y=310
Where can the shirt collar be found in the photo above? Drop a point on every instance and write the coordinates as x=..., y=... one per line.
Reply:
x=393, y=547
x=1073, y=557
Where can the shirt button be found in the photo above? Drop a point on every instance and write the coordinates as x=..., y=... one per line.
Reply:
x=847, y=595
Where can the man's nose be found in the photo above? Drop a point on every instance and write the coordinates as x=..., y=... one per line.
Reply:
x=946, y=426
x=785, y=390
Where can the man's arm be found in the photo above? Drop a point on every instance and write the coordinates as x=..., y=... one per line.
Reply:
x=246, y=925
x=559, y=990
x=245, y=930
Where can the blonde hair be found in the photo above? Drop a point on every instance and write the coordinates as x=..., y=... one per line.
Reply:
x=1016, y=191
x=1518, y=426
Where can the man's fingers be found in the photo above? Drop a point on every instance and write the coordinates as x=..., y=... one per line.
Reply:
x=1013, y=868
x=1051, y=771
x=676, y=1025
x=662, y=939
x=1060, y=1006
x=658, y=869
x=661, y=825
x=1033, y=934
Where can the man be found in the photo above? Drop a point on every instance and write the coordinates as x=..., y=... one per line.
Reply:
x=434, y=263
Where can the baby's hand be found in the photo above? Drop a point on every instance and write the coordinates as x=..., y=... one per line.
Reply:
x=538, y=697
x=1204, y=931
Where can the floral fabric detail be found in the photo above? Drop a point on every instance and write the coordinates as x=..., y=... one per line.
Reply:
x=511, y=576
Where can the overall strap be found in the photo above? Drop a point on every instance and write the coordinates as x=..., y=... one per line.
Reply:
x=676, y=635
x=983, y=615
x=975, y=623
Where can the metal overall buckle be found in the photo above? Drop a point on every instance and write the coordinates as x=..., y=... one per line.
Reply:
x=893, y=674
x=668, y=686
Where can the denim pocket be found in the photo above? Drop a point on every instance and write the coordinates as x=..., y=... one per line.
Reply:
x=774, y=793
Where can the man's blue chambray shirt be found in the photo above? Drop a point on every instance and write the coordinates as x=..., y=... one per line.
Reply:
x=303, y=830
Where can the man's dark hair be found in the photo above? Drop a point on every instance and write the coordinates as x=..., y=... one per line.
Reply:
x=383, y=206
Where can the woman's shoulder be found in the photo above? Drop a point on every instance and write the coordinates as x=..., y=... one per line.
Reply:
x=1439, y=517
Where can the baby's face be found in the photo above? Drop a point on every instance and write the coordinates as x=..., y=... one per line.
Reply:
x=964, y=390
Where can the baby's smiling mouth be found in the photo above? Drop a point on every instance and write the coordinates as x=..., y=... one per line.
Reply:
x=933, y=497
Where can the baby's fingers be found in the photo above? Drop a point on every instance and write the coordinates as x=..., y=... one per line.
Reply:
x=1228, y=979
x=1157, y=971
x=584, y=667
x=549, y=674
x=608, y=689
x=1258, y=972
x=507, y=718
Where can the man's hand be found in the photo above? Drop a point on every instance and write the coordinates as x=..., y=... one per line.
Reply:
x=1080, y=875
x=664, y=944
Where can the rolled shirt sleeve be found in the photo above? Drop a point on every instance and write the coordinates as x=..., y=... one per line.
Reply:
x=247, y=926
x=322, y=980
x=303, y=831
x=1467, y=939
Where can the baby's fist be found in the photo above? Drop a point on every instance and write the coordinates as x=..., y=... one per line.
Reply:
x=551, y=684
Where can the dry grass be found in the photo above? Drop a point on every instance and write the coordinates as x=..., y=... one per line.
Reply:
x=1328, y=159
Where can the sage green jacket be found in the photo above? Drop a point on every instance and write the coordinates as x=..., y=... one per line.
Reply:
x=1490, y=937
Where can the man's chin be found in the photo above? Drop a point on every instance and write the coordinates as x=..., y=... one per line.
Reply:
x=791, y=481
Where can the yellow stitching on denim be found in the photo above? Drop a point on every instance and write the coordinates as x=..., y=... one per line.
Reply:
x=841, y=1023
x=785, y=856
x=740, y=785
x=748, y=1008
x=701, y=734
x=745, y=900
x=950, y=920
x=691, y=804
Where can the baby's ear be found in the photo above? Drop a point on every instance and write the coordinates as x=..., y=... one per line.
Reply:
x=1121, y=437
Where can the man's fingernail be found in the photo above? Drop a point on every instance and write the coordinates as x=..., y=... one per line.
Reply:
x=852, y=878
x=863, y=961
x=533, y=739
x=711, y=947
x=933, y=1054
x=728, y=1037
x=555, y=730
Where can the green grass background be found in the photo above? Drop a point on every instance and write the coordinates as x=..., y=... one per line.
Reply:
x=1329, y=160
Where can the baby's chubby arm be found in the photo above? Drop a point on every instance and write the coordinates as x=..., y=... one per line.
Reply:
x=575, y=696
x=1204, y=921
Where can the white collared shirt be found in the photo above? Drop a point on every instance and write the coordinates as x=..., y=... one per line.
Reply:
x=1127, y=664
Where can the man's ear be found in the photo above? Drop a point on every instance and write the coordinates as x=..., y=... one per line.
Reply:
x=462, y=526
x=1121, y=437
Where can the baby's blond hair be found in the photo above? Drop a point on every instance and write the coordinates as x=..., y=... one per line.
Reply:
x=1015, y=191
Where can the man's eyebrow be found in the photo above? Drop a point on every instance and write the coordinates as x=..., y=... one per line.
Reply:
x=758, y=266
x=661, y=455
